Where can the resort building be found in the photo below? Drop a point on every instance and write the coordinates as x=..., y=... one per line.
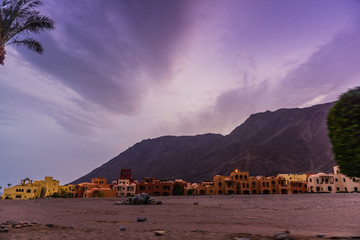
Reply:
x=293, y=177
x=242, y=183
x=297, y=187
x=335, y=182
x=124, y=187
x=155, y=187
x=97, y=188
x=203, y=188
x=66, y=191
x=29, y=189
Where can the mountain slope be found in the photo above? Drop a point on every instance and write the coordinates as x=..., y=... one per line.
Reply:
x=284, y=141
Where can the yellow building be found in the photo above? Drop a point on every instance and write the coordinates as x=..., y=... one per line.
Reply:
x=26, y=190
x=66, y=191
x=32, y=190
x=48, y=186
x=293, y=177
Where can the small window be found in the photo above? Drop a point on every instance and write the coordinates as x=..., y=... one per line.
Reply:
x=310, y=180
x=28, y=191
x=344, y=179
x=336, y=180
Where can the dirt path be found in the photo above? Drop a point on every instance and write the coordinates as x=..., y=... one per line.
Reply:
x=216, y=217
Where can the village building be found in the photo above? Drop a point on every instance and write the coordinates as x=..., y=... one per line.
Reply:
x=203, y=188
x=124, y=187
x=155, y=187
x=293, y=177
x=297, y=187
x=97, y=188
x=66, y=191
x=29, y=189
x=332, y=183
x=242, y=183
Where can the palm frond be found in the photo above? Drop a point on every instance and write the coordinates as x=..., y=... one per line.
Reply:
x=30, y=44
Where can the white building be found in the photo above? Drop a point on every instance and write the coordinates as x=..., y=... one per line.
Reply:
x=335, y=182
x=124, y=188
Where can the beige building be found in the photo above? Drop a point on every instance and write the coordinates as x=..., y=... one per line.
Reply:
x=335, y=182
x=123, y=188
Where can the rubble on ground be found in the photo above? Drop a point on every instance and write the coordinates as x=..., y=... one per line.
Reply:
x=142, y=198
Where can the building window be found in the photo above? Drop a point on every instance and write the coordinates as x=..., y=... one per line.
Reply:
x=310, y=179
x=336, y=180
x=317, y=181
x=28, y=191
x=329, y=189
x=344, y=179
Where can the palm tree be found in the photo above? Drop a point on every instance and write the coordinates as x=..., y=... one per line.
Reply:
x=19, y=18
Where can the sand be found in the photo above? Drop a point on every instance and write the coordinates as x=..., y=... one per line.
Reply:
x=216, y=217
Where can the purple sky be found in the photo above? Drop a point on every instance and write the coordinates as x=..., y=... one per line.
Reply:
x=116, y=72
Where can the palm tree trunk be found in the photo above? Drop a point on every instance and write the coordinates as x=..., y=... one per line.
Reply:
x=2, y=54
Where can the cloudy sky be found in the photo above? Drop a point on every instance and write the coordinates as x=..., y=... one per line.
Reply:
x=116, y=72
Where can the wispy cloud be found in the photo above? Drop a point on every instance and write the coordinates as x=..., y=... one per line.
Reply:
x=111, y=57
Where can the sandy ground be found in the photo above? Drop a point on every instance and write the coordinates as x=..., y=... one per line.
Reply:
x=216, y=217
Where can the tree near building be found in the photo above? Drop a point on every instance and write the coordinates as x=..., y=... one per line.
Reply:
x=18, y=20
x=343, y=123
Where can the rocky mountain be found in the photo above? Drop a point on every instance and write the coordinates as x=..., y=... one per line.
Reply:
x=268, y=143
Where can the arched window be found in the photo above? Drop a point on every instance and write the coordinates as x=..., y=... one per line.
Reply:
x=329, y=189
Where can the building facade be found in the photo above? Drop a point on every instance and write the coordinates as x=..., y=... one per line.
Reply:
x=155, y=187
x=28, y=189
x=332, y=183
x=124, y=187
x=97, y=188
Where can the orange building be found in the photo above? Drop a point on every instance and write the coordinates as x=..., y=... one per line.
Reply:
x=155, y=187
x=298, y=187
x=242, y=183
x=97, y=188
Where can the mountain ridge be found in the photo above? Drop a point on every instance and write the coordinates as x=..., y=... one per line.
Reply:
x=291, y=140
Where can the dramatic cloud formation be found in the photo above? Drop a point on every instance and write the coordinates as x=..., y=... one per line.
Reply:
x=116, y=72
